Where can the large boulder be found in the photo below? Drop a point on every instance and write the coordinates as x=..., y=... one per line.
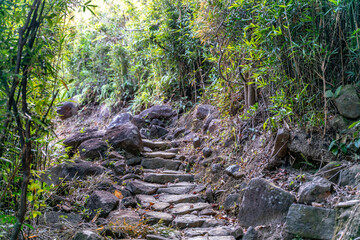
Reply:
x=263, y=203
x=310, y=222
x=93, y=149
x=310, y=147
x=203, y=111
x=120, y=119
x=76, y=139
x=348, y=102
x=126, y=137
x=316, y=190
x=350, y=176
x=163, y=112
x=101, y=201
x=67, y=109
x=70, y=171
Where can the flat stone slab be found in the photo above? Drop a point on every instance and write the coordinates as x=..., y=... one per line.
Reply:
x=175, y=190
x=118, y=217
x=156, y=145
x=184, y=198
x=181, y=184
x=145, y=200
x=156, y=217
x=188, y=221
x=166, y=155
x=140, y=187
x=310, y=222
x=157, y=163
x=160, y=206
x=212, y=238
x=235, y=231
x=163, y=178
x=185, y=208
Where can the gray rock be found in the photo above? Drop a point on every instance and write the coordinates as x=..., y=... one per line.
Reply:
x=133, y=161
x=207, y=152
x=250, y=234
x=128, y=202
x=157, y=132
x=166, y=155
x=156, y=144
x=351, y=176
x=185, y=208
x=184, y=198
x=86, y=235
x=339, y=123
x=315, y=191
x=281, y=141
x=213, y=238
x=163, y=178
x=126, y=137
x=312, y=148
x=156, y=217
x=175, y=190
x=210, y=196
x=140, y=187
x=93, y=149
x=163, y=112
x=179, y=132
x=348, y=102
x=188, y=221
x=234, y=171
x=196, y=142
x=214, y=125
x=310, y=222
x=263, y=203
x=129, y=216
x=145, y=200
x=101, y=201
x=120, y=119
x=75, y=140
x=119, y=167
x=216, y=167
x=203, y=111
x=70, y=171
x=160, y=206
x=67, y=110
x=232, y=201
x=155, y=237
x=157, y=163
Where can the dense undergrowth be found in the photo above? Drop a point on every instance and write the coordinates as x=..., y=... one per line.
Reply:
x=285, y=59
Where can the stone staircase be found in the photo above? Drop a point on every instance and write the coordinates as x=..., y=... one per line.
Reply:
x=168, y=195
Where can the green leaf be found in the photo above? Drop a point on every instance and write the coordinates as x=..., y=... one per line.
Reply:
x=329, y=94
x=337, y=92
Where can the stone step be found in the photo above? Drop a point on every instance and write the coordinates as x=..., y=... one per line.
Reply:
x=185, y=208
x=184, y=198
x=145, y=200
x=158, y=163
x=140, y=187
x=188, y=221
x=212, y=238
x=163, y=178
x=173, y=150
x=156, y=145
x=234, y=231
x=176, y=190
x=166, y=155
x=156, y=217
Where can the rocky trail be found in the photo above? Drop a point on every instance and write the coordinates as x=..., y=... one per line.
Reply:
x=136, y=179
